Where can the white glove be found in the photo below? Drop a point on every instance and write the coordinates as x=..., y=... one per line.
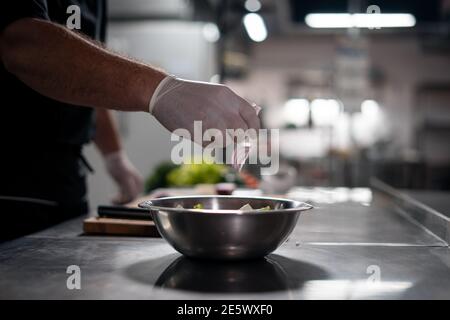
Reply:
x=177, y=103
x=242, y=149
x=126, y=176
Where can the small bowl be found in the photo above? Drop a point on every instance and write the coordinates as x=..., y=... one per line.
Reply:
x=221, y=230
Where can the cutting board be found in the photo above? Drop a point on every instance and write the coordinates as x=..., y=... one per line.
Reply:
x=127, y=227
x=120, y=227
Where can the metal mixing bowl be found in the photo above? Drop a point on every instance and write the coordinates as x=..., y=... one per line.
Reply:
x=220, y=230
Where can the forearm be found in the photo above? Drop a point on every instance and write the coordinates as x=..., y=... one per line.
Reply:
x=107, y=138
x=116, y=161
x=62, y=65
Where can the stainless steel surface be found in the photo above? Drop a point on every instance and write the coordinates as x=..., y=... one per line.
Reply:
x=331, y=254
x=437, y=200
x=356, y=224
x=221, y=230
x=151, y=269
x=422, y=214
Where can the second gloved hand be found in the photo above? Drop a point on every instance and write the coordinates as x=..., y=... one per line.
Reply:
x=177, y=103
x=126, y=176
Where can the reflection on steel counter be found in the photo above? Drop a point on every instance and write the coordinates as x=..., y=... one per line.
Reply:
x=261, y=275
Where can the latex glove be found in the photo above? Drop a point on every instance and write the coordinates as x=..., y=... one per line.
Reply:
x=126, y=176
x=177, y=103
x=242, y=149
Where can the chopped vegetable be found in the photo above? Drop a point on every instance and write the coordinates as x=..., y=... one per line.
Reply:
x=198, y=206
x=248, y=207
x=245, y=207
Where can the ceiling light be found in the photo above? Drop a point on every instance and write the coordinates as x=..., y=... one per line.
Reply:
x=370, y=108
x=296, y=111
x=324, y=112
x=252, y=5
x=360, y=20
x=255, y=26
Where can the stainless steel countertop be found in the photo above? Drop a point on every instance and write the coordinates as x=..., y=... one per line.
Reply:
x=335, y=251
x=438, y=200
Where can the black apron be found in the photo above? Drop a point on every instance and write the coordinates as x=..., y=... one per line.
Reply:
x=41, y=187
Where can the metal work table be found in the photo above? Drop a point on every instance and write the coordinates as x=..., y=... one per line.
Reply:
x=380, y=246
x=438, y=200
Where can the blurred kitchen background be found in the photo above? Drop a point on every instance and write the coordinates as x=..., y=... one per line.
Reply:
x=351, y=102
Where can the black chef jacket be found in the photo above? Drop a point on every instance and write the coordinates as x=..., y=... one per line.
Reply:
x=42, y=172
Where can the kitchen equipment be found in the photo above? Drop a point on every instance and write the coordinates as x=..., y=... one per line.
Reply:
x=281, y=182
x=122, y=212
x=221, y=230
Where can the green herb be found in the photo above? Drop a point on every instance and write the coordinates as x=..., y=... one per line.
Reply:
x=198, y=206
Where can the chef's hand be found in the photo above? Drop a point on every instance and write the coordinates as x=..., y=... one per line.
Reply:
x=177, y=103
x=126, y=176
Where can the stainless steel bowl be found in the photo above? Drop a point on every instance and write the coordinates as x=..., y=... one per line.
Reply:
x=220, y=230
